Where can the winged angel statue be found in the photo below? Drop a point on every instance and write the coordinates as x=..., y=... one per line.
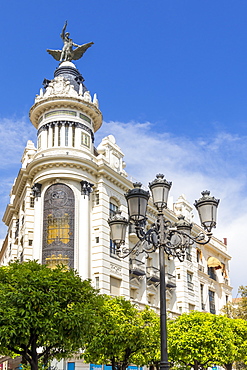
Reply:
x=67, y=53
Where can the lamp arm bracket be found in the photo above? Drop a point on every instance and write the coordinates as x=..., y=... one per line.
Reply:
x=201, y=238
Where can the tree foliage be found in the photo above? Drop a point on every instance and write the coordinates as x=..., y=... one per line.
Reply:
x=53, y=310
x=200, y=340
x=237, y=310
x=125, y=335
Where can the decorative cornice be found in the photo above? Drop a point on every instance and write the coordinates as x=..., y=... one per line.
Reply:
x=53, y=102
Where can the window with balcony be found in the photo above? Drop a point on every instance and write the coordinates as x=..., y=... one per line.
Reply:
x=211, y=273
x=137, y=267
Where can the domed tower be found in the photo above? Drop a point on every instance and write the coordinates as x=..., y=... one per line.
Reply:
x=63, y=168
x=65, y=115
x=66, y=189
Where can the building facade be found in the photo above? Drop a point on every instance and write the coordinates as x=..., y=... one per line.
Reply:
x=65, y=192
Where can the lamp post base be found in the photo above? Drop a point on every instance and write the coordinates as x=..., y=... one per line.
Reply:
x=164, y=365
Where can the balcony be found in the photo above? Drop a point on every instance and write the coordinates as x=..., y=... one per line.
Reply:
x=137, y=267
x=153, y=274
x=170, y=281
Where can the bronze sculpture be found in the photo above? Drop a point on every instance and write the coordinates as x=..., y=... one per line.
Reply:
x=67, y=53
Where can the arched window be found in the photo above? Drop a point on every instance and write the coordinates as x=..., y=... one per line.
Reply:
x=58, y=226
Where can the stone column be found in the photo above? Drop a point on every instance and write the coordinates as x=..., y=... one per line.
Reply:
x=70, y=135
x=77, y=137
x=37, y=231
x=84, y=255
x=50, y=136
x=62, y=135
x=56, y=135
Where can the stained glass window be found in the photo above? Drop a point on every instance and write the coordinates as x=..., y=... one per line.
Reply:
x=58, y=226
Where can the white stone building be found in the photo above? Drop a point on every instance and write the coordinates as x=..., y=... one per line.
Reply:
x=64, y=193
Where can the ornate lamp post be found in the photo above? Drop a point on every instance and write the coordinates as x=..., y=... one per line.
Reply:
x=173, y=239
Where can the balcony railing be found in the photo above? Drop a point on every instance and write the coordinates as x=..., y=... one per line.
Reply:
x=170, y=281
x=137, y=267
x=153, y=274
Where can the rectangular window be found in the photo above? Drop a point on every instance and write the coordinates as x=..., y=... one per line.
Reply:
x=115, y=285
x=85, y=118
x=97, y=282
x=188, y=254
x=73, y=135
x=61, y=112
x=113, y=249
x=133, y=293
x=85, y=139
x=211, y=273
x=59, y=136
x=202, y=298
x=113, y=208
x=70, y=366
x=32, y=202
x=198, y=255
x=17, y=228
x=150, y=298
x=211, y=296
x=96, y=198
x=53, y=135
x=189, y=281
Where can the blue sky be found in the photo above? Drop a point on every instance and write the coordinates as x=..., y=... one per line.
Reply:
x=172, y=85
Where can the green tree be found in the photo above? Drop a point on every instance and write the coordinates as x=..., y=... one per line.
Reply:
x=44, y=313
x=242, y=305
x=200, y=340
x=238, y=355
x=237, y=310
x=124, y=336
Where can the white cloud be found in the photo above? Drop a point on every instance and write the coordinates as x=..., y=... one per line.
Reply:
x=14, y=134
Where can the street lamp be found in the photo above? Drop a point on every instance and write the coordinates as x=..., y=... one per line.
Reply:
x=172, y=238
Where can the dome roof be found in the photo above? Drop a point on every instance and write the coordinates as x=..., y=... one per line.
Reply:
x=69, y=71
